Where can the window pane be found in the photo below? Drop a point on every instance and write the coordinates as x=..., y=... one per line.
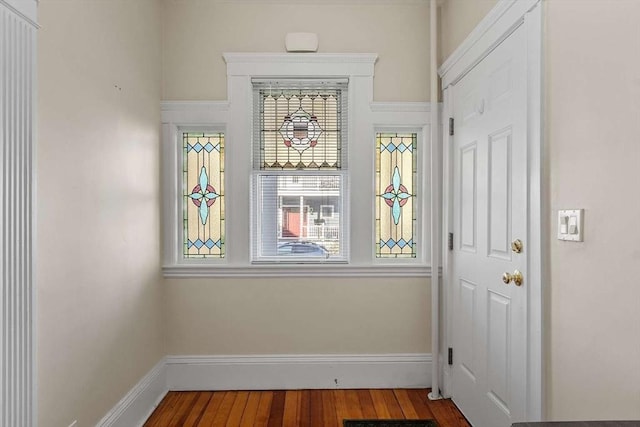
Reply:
x=203, y=190
x=292, y=220
x=300, y=128
x=395, y=206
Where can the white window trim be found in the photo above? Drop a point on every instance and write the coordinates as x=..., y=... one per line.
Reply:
x=234, y=118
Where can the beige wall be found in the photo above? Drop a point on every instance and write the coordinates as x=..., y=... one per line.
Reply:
x=592, y=130
x=457, y=19
x=593, y=116
x=313, y=316
x=98, y=280
x=298, y=316
x=197, y=32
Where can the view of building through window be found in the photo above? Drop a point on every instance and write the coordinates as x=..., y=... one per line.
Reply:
x=307, y=212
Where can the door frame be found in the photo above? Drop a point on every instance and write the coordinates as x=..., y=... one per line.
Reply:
x=500, y=22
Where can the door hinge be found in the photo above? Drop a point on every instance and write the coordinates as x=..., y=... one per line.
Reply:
x=451, y=127
x=450, y=242
x=450, y=360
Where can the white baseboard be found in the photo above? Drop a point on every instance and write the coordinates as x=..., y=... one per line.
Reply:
x=278, y=372
x=267, y=372
x=136, y=406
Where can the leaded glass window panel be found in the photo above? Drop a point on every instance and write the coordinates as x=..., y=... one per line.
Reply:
x=300, y=128
x=203, y=195
x=395, y=204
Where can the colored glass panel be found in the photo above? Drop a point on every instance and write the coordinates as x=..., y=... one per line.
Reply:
x=203, y=195
x=395, y=205
x=300, y=129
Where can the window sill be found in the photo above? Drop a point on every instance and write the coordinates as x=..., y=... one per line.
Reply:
x=331, y=270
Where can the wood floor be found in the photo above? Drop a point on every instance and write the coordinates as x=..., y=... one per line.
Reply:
x=300, y=408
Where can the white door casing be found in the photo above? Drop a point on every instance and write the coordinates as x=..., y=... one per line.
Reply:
x=490, y=211
x=18, y=52
x=493, y=161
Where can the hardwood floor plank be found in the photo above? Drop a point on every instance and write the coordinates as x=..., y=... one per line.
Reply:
x=277, y=409
x=166, y=405
x=264, y=409
x=380, y=404
x=222, y=414
x=353, y=405
x=392, y=405
x=299, y=408
x=250, y=410
x=445, y=412
x=291, y=406
x=304, y=409
x=406, y=405
x=183, y=408
x=329, y=409
x=235, y=415
x=366, y=405
x=418, y=404
x=211, y=409
x=316, y=410
x=197, y=409
x=342, y=412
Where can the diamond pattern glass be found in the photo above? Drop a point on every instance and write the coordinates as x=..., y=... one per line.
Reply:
x=395, y=206
x=203, y=195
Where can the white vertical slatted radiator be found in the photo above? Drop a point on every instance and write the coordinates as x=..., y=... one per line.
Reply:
x=17, y=89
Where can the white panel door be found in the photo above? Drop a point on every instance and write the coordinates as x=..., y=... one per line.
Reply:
x=490, y=212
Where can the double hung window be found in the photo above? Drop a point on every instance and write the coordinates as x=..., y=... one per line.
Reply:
x=299, y=173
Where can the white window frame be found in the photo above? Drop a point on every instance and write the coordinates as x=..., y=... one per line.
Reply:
x=234, y=118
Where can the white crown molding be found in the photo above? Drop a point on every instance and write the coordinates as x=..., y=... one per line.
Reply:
x=266, y=57
x=329, y=270
x=138, y=404
x=279, y=372
x=491, y=31
x=25, y=9
x=298, y=64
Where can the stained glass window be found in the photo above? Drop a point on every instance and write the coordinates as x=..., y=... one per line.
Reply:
x=203, y=190
x=300, y=128
x=299, y=171
x=395, y=204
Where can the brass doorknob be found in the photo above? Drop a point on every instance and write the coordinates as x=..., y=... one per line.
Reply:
x=516, y=278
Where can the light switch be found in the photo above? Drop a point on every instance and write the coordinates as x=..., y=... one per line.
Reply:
x=570, y=225
x=564, y=223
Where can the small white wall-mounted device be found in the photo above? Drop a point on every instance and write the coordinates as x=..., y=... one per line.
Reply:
x=301, y=42
x=571, y=225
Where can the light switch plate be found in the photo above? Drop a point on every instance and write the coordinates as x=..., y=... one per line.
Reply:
x=571, y=225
